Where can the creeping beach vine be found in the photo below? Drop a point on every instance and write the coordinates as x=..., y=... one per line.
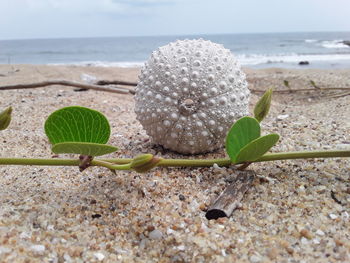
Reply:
x=85, y=132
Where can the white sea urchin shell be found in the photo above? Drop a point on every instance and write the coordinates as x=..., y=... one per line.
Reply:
x=189, y=94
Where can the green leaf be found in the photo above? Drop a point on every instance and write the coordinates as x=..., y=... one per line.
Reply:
x=241, y=133
x=263, y=105
x=78, y=130
x=313, y=84
x=141, y=160
x=83, y=148
x=77, y=124
x=286, y=83
x=5, y=118
x=257, y=148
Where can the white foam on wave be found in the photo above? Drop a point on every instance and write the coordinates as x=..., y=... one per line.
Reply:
x=290, y=58
x=311, y=40
x=338, y=43
x=104, y=64
x=244, y=59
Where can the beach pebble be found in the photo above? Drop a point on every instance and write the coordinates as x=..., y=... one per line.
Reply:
x=272, y=253
x=333, y=216
x=67, y=258
x=4, y=250
x=304, y=241
x=255, y=258
x=155, y=234
x=282, y=117
x=320, y=232
x=99, y=256
x=316, y=241
x=90, y=79
x=25, y=235
x=38, y=248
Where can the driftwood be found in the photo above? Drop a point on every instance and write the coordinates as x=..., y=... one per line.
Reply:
x=229, y=200
x=99, y=85
x=68, y=83
x=115, y=82
x=316, y=88
x=300, y=90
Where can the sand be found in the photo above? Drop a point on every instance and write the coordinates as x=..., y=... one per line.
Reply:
x=297, y=211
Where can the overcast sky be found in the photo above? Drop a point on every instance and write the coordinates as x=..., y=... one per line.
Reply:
x=92, y=18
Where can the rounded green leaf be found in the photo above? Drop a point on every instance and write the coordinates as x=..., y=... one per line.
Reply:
x=256, y=148
x=241, y=133
x=77, y=124
x=83, y=148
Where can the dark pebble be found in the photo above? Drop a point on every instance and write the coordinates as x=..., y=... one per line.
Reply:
x=182, y=197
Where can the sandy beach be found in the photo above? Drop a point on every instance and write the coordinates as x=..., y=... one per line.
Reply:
x=297, y=211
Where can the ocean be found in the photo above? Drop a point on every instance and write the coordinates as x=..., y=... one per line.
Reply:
x=320, y=49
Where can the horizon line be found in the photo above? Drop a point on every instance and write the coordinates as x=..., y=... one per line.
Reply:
x=174, y=35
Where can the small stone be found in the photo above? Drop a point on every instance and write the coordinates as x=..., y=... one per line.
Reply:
x=24, y=235
x=182, y=197
x=155, y=234
x=285, y=244
x=316, y=241
x=306, y=233
x=67, y=258
x=170, y=231
x=345, y=215
x=150, y=228
x=203, y=207
x=255, y=259
x=304, y=241
x=181, y=247
x=272, y=253
x=38, y=248
x=339, y=242
x=282, y=117
x=99, y=256
x=333, y=216
x=319, y=232
x=4, y=250
x=143, y=243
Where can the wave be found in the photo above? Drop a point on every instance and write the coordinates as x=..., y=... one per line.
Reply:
x=333, y=44
x=258, y=59
x=310, y=40
x=244, y=59
x=338, y=43
x=103, y=64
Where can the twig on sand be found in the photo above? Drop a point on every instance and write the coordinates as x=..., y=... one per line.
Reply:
x=115, y=82
x=99, y=85
x=67, y=83
x=300, y=90
x=229, y=200
x=129, y=83
x=340, y=95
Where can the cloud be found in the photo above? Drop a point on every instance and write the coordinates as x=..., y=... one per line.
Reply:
x=92, y=6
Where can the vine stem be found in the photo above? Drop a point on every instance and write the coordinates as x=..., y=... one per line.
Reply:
x=124, y=163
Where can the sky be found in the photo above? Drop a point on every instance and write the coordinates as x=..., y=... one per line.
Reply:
x=25, y=19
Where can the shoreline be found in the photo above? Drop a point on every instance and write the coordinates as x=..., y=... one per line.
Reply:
x=324, y=63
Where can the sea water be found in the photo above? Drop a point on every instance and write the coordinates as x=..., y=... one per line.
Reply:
x=321, y=50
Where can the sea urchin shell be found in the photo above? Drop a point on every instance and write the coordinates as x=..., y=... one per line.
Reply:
x=189, y=94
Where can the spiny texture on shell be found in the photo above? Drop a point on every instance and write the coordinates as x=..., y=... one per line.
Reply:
x=189, y=94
